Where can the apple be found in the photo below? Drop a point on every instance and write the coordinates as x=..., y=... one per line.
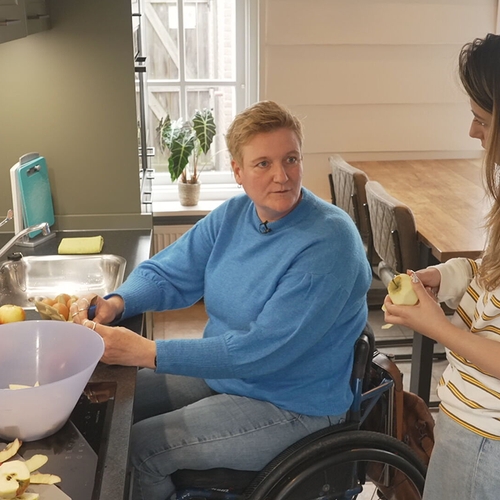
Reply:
x=10, y=314
x=62, y=298
x=14, y=479
x=401, y=291
x=62, y=309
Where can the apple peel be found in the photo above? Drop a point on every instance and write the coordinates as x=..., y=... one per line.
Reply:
x=36, y=461
x=17, y=475
x=28, y=495
x=39, y=478
x=10, y=450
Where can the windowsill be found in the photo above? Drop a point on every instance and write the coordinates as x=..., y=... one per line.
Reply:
x=166, y=208
x=216, y=187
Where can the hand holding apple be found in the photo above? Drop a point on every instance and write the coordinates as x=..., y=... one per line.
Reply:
x=412, y=306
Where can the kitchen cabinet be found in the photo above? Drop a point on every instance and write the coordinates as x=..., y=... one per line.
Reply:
x=13, y=23
x=37, y=16
x=20, y=18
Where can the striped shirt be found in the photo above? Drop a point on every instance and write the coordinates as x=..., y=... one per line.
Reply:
x=468, y=394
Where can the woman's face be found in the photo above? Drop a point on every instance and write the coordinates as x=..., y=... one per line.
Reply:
x=271, y=172
x=481, y=123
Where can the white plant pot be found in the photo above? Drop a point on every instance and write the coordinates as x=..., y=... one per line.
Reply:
x=189, y=194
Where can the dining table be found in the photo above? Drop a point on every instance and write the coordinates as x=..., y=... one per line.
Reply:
x=449, y=203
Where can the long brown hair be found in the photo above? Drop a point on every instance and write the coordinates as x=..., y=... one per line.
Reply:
x=479, y=70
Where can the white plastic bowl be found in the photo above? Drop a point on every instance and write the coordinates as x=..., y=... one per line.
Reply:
x=61, y=357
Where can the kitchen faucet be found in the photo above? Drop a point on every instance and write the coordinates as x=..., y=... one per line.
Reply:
x=43, y=226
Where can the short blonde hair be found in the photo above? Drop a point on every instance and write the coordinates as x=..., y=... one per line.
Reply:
x=264, y=116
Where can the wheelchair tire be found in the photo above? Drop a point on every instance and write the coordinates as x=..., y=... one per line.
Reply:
x=341, y=466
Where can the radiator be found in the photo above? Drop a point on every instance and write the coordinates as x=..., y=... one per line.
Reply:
x=165, y=235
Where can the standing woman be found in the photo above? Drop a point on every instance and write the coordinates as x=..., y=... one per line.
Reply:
x=465, y=461
x=284, y=277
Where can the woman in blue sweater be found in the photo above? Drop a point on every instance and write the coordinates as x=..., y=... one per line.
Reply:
x=284, y=277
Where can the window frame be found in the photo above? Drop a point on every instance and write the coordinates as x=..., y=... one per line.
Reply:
x=217, y=185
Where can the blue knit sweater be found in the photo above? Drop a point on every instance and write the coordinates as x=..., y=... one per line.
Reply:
x=285, y=307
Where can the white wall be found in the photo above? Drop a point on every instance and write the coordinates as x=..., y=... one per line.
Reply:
x=372, y=79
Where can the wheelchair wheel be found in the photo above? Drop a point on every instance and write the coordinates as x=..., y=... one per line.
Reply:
x=350, y=465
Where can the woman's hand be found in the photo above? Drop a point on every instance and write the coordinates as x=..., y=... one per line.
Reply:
x=431, y=279
x=106, y=310
x=426, y=317
x=125, y=347
x=122, y=346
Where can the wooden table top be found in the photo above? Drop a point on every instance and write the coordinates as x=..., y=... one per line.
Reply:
x=447, y=198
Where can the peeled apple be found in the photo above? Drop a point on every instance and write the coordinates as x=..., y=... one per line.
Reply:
x=14, y=479
x=401, y=291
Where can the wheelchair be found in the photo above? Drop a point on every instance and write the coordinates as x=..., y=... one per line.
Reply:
x=341, y=462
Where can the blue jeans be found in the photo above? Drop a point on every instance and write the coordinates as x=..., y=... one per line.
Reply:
x=463, y=465
x=180, y=423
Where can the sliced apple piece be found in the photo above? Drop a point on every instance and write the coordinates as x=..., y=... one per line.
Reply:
x=16, y=387
x=36, y=461
x=10, y=450
x=28, y=495
x=14, y=479
x=39, y=478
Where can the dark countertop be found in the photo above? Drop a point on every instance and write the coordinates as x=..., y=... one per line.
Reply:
x=134, y=246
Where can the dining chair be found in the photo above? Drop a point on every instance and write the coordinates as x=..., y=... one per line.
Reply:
x=394, y=234
x=347, y=187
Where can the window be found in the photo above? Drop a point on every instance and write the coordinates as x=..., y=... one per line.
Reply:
x=200, y=53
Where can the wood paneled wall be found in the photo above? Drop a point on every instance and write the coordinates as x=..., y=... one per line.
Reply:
x=372, y=79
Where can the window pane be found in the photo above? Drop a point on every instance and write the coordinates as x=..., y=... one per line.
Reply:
x=221, y=100
x=183, y=73
x=210, y=38
x=162, y=40
x=162, y=102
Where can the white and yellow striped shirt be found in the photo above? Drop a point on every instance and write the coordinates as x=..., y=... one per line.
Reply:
x=468, y=394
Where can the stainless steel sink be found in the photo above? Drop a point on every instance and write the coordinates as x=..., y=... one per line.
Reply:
x=48, y=276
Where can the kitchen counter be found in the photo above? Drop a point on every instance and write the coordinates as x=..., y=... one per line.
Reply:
x=134, y=246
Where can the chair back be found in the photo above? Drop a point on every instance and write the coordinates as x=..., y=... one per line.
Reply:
x=347, y=185
x=393, y=228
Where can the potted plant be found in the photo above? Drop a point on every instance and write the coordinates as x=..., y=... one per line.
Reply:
x=186, y=143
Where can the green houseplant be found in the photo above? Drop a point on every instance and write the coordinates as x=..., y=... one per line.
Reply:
x=187, y=142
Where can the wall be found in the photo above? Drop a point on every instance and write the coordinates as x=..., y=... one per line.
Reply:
x=68, y=93
x=372, y=79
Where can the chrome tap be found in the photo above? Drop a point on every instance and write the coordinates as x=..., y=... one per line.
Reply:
x=7, y=218
x=43, y=226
